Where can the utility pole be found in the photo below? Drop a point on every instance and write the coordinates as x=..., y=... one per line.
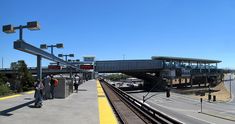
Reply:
x=2, y=62
x=123, y=56
x=201, y=104
x=230, y=86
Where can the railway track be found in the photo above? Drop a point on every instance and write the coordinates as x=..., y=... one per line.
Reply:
x=131, y=111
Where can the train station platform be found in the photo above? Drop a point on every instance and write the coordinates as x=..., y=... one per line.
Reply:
x=88, y=106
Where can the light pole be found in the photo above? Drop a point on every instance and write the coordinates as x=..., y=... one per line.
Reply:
x=66, y=59
x=230, y=86
x=66, y=56
x=34, y=25
x=2, y=62
x=45, y=46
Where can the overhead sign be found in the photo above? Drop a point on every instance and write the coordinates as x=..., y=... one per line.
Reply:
x=54, y=67
x=89, y=58
x=86, y=67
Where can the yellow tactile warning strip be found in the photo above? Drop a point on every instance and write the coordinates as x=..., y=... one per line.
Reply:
x=30, y=92
x=16, y=95
x=105, y=111
x=8, y=97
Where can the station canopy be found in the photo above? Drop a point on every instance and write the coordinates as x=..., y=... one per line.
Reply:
x=180, y=59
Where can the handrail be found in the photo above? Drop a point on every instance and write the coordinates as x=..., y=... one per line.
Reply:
x=151, y=111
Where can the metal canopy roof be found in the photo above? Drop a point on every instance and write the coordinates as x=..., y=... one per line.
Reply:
x=180, y=59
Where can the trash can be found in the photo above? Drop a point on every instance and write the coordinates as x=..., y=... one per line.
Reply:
x=64, y=88
x=168, y=93
x=209, y=97
x=214, y=98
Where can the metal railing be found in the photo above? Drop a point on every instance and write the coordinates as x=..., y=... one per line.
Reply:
x=149, y=111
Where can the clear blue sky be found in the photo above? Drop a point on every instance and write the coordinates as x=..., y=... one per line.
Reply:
x=138, y=29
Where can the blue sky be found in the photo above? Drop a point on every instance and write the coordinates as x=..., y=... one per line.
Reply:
x=138, y=29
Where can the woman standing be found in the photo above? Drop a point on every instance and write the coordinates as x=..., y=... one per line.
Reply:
x=38, y=94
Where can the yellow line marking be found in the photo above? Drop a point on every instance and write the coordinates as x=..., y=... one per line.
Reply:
x=8, y=97
x=105, y=111
x=30, y=92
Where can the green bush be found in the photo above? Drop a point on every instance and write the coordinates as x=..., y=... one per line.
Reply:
x=117, y=77
x=4, y=90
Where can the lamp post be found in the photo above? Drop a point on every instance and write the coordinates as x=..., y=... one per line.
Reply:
x=230, y=86
x=45, y=46
x=66, y=56
x=66, y=59
x=2, y=62
x=34, y=25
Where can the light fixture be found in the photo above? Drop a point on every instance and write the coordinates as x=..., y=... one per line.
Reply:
x=34, y=25
x=8, y=29
x=60, y=45
x=43, y=46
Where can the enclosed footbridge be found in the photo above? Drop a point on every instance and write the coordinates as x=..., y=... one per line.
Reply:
x=165, y=70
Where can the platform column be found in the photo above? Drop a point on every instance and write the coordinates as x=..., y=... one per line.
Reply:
x=206, y=81
x=39, y=67
x=191, y=81
x=171, y=81
x=180, y=81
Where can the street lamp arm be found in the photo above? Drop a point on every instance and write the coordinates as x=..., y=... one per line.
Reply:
x=25, y=47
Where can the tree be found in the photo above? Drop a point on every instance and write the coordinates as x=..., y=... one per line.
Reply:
x=23, y=80
x=4, y=88
x=117, y=77
x=3, y=78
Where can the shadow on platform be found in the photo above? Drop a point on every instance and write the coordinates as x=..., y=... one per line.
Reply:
x=7, y=111
x=82, y=89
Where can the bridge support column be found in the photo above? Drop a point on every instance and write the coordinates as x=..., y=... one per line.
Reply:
x=39, y=67
x=70, y=73
x=171, y=81
x=185, y=82
x=180, y=81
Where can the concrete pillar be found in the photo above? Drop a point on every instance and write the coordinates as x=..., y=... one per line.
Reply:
x=70, y=73
x=39, y=67
x=200, y=67
x=180, y=81
x=191, y=81
x=171, y=64
x=171, y=82
x=209, y=68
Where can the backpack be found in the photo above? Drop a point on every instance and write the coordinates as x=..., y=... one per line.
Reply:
x=56, y=82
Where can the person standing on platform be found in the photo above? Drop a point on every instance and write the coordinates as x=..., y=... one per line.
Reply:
x=76, y=83
x=38, y=93
x=52, y=87
x=46, y=87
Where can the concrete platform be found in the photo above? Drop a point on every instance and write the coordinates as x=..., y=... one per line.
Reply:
x=79, y=108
